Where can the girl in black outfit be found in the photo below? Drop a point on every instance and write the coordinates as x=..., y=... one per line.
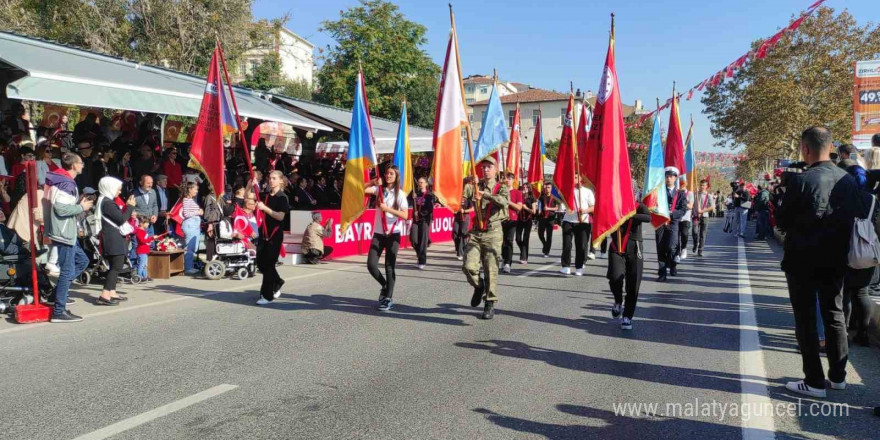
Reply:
x=391, y=213
x=110, y=222
x=275, y=206
x=524, y=222
x=625, y=264
x=423, y=214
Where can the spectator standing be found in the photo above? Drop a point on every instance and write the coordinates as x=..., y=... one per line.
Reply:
x=162, y=198
x=144, y=238
x=817, y=213
x=192, y=226
x=112, y=225
x=174, y=171
x=762, y=212
x=61, y=206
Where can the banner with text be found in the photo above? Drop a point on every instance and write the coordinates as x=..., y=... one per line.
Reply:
x=866, y=103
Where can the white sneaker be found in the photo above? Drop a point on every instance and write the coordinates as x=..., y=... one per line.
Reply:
x=837, y=385
x=506, y=268
x=677, y=259
x=53, y=269
x=591, y=256
x=579, y=272
x=565, y=271
x=626, y=324
x=801, y=388
x=277, y=294
x=263, y=302
x=603, y=255
x=524, y=262
x=684, y=254
x=546, y=255
x=460, y=258
x=421, y=266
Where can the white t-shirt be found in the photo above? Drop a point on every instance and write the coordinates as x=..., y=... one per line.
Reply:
x=585, y=199
x=690, y=212
x=395, y=223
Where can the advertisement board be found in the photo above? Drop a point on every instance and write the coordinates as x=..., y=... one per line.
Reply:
x=866, y=103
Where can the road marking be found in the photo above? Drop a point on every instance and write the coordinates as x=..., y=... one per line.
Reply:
x=154, y=414
x=540, y=269
x=123, y=309
x=755, y=395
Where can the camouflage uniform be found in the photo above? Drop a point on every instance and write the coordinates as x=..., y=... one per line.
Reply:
x=484, y=246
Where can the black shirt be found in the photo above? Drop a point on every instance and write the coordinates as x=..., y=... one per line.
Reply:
x=423, y=206
x=277, y=203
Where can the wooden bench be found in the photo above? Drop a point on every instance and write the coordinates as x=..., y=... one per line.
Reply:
x=164, y=265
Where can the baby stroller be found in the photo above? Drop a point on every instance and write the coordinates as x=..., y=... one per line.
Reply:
x=232, y=256
x=98, y=265
x=15, y=274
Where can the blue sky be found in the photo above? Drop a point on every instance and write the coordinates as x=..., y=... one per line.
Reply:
x=549, y=43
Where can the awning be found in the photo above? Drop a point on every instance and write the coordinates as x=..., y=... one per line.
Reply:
x=384, y=130
x=66, y=75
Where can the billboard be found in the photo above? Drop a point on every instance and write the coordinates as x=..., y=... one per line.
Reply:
x=866, y=103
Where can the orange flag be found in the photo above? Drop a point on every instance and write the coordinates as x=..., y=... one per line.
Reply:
x=450, y=118
x=514, y=151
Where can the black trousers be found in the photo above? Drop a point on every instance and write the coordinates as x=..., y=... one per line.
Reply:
x=523, y=232
x=508, y=228
x=460, y=234
x=390, y=244
x=116, y=262
x=418, y=236
x=701, y=229
x=803, y=288
x=313, y=256
x=684, y=233
x=580, y=233
x=545, y=234
x=666, y=237
x=857, y=300
x=626, y=269
x=267, y=257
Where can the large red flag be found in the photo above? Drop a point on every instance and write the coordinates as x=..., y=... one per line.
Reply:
x=216, y=119
x=588, y=157
x=566, y=165
x=514, y=151
x=536, y=160
x=674, y=153
x=615, y=201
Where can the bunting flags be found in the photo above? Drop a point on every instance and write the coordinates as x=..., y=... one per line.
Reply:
x=654, y=190
x=536, y=160
x=615, y=201
x=690, y=161
x=674, y=156
x=216, y=120
x=361, y=157
x=514, y=151
x=451, y=116
x=566, y=165
x=588, y=158
x=402, y=158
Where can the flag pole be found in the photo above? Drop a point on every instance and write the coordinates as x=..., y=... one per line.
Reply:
x=577, y=161
x=241, y=138
x=470, y=146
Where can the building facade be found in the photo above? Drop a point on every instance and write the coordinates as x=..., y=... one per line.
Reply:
x=478, y=88
x=295, y=53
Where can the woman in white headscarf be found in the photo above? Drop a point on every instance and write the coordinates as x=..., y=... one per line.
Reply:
x=111, y=223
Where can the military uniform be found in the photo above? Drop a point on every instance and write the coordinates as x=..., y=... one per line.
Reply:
x=484, y=246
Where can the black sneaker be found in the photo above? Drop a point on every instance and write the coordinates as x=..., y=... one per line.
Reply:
x=673, y=272
x=661, y=279
x=65, y=316
x=478, y=295
x=383, y=292
x=616, y=309
x=385, y=304
x=489, y=310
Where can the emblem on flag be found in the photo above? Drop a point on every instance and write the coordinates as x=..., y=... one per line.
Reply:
x=606, y=86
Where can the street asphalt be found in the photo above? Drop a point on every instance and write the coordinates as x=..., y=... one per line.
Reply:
x=197, y=359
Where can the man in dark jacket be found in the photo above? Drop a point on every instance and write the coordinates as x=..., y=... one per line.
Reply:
x=817, y=213
x=667, y=235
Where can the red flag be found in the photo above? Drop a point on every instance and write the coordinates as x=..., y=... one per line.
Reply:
x=241, y=223
x=674, y=152
x=815, y=5
x=215, y=120
x=176, y=215
x=615, y=201
x=588, y=158
x=566, y=165
x=536, y=160
x=768, y=44
x=702, y=85
x=690, y=94
x=514, y=151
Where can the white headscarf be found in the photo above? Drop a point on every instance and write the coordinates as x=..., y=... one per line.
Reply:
x=108, y=188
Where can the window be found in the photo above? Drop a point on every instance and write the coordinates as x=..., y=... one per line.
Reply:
x=471, y=117
x=243, y=69
x=484, y=90
x=510, y=115
x=469, y=101
x=563, y=114
x=254, y=64
x=535, y=115
x=469, y=88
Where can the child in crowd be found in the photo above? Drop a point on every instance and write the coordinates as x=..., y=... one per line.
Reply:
x=143, y=245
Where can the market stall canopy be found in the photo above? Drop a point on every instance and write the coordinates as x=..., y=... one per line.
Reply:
x=384, y=130
x=48, y=72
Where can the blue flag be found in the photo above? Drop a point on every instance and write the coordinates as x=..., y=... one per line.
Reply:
x=654, y=192
x=493, y=131
x=402, y=153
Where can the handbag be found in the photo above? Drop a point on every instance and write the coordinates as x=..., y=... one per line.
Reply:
x=864, y=249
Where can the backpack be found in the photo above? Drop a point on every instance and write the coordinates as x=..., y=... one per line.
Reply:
x=213, y=212
x=864, y=249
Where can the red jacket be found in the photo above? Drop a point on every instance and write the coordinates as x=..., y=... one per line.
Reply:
x=143, y=242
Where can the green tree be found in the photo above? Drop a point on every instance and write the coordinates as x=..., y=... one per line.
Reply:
x=805, y=80
x=551, y=149
x=638, y=159
x=396, y=67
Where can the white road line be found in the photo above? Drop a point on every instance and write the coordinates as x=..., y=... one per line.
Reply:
x=540, y=269
x=122, y=309
x=154, y=414
x=755, y=395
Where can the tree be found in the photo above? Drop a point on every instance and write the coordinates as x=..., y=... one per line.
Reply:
x=638, y=159
x=551, y=149
x=395, y=66
x=805, y=80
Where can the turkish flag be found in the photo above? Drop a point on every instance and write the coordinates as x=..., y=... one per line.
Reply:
x=615, y=201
